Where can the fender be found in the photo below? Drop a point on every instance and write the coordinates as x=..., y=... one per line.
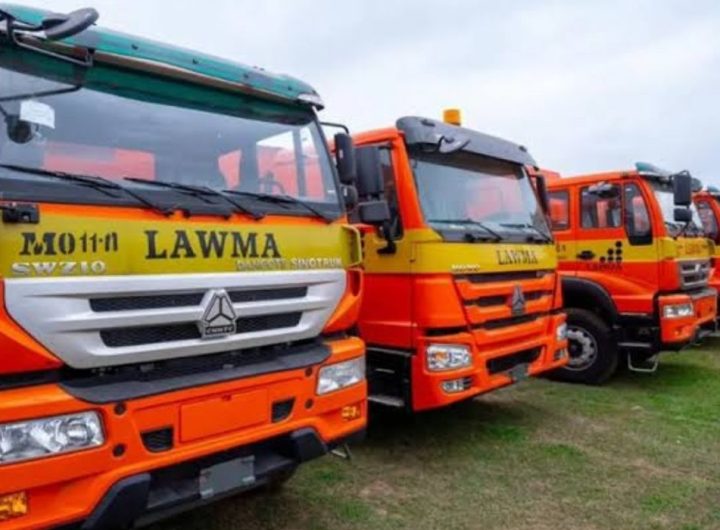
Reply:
x=593, y=295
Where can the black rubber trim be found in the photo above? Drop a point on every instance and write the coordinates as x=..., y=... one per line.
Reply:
x=26, y=379
x=150, y=497
x=120, y=506
x=493, y=277
x=144, y=380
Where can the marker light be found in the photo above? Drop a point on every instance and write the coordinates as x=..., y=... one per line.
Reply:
x=340, y=375
x=678, y=310
x=39, y=438
x=452, y=116
x=13, y=505
x=447, y=357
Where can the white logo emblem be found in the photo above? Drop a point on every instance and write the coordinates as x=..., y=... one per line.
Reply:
x=219, y=316
x=517, y=302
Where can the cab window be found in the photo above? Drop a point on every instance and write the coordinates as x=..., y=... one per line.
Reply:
x=637, y=216
x=601, y=206
x=709, y=222
x=559, y=209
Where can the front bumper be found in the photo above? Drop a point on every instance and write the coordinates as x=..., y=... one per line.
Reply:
x=492, y=368
x=170, y=431
x=677, y=333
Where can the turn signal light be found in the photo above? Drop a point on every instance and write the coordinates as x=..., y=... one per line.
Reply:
x=13, y=505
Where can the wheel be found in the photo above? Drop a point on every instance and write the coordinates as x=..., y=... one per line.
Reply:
x=593, y=352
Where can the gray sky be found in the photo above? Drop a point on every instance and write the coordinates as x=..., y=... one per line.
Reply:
x=587, y=86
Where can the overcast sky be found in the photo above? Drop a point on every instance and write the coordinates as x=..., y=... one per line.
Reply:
x=587, y=86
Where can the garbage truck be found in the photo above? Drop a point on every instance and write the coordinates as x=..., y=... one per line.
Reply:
x=179, y=282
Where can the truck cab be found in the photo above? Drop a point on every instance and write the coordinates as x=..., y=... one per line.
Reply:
x=461, y=291
x=179, y=281
x=708, y=205
x=635, y=268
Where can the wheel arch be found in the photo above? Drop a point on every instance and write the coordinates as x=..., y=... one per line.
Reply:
x=588, y=295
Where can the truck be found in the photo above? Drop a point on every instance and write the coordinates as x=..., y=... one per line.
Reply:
x=180, y=283
x=708, y=204
x=461, y=293
x=635, y=268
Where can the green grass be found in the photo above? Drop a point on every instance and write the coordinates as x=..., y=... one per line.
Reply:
x=641, y=452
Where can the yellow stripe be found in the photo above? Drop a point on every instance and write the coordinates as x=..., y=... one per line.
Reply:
x=66, y=245
x=423, y=251
x=660, y=249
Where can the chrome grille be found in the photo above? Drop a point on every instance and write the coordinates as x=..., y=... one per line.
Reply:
x=694, y=274
x=92, y=322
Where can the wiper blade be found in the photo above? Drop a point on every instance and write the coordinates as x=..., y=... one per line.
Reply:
x=466, y=222
x=546, y=238
x=287, y=199
x=99, y=183
x=201, y=192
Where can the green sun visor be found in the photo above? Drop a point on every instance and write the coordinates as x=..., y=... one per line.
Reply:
x=107, y=46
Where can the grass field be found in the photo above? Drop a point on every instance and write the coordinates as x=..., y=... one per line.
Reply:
x=641, y=452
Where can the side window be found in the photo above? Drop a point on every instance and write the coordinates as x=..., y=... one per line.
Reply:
x=601, y=208
x=707, y=216
x=637, y=216
x=559, y=209
x=391, y=192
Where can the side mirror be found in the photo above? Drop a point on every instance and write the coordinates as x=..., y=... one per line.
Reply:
x=374, y=212
x=682, y=189
x=682, y=215
x=345, y=158
x=369, y=173
x=542, y=192
x=60, y=26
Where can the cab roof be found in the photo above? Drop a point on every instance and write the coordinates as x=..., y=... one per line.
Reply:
x=246, y=78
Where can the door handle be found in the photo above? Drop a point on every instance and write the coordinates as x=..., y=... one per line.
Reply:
x=586, y=255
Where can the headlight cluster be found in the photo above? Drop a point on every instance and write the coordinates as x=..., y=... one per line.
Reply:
x=340, y=375
x=678, y=310
x=561, y=332
x=49, y=436
x=447, y=357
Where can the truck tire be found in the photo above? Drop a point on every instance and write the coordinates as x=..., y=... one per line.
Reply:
x=594, y=354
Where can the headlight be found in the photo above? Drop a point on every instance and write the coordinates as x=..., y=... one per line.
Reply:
x=447, y=357
x=678, y=310
x=340, y=375
x=561, y=332
x=49, y=436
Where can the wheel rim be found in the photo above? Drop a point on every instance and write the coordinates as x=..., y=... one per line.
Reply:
x=582, y=347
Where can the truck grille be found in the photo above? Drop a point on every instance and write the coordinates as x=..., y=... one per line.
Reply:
x=115, y=338
x=93, y=322
x=694, y=274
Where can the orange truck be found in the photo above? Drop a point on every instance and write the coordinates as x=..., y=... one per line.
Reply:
x=708, y=205
x=461, y=291
x=635, y=267
x=179, y=281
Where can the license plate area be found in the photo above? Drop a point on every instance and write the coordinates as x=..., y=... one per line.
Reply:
x=227, y=476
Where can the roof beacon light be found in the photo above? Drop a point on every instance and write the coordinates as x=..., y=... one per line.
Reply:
x=452, y=116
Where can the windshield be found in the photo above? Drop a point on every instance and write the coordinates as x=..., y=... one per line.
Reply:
x=118, y=125
x=463, y=188
x=666, y=199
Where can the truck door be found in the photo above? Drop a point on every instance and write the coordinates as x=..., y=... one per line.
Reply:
x=615, y=244
x=563, y=227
